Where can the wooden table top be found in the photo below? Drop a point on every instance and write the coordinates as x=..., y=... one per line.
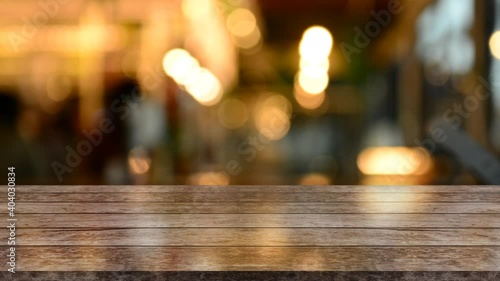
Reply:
x=307, y=228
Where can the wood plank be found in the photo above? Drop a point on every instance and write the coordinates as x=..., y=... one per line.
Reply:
x=258, y=220
x=254, y=197
x=257, y=258
x=256, y=228
x=233, y=188
x=256, y=208
x=255, y=237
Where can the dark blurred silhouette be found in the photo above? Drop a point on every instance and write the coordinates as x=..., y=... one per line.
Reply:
x=16, y=151
x=109, y=161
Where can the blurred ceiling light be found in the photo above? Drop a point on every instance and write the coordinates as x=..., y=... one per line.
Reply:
x=313, y=80
x=204, y=87
x=139, y=161
x=210, y=178
x=179, y=65
x=273, y=117
x=308, y=101
x=316, y=44
x=394, y=161
x=314, y=179
x=233, y=113
x=495, y=44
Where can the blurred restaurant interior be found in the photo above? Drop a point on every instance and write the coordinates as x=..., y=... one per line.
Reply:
x=247, y=92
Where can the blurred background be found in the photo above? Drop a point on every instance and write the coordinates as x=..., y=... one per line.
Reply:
x=218, y=92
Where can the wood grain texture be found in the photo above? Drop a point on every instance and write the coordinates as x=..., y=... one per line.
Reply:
x=259, y=258
x=256, y=237
x=365, y=228
x=258, y=220
x=278, y=197
x=245, y=188
x=256, y=208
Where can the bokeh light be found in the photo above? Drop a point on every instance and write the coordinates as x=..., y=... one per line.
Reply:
x=394, y=161
x=179, y=65
x=279, y=101
x=316, y=44
x=241, y=22
x=233, y=113
x=495, y=44
x=323, y=65
x=249, y=42
x=273, y=117
x=315, y=179
x=196, y=8
x=308, y=101
x=204, y=87
x=139, y=161
x=210, y=178
x=313, y=80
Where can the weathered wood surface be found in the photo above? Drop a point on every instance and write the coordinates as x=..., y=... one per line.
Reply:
x=258, y=208
x=256, y=237
x=246, y=196
x=259, y=220
x=274, y=188
x=108, y=228
x=259, y=258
